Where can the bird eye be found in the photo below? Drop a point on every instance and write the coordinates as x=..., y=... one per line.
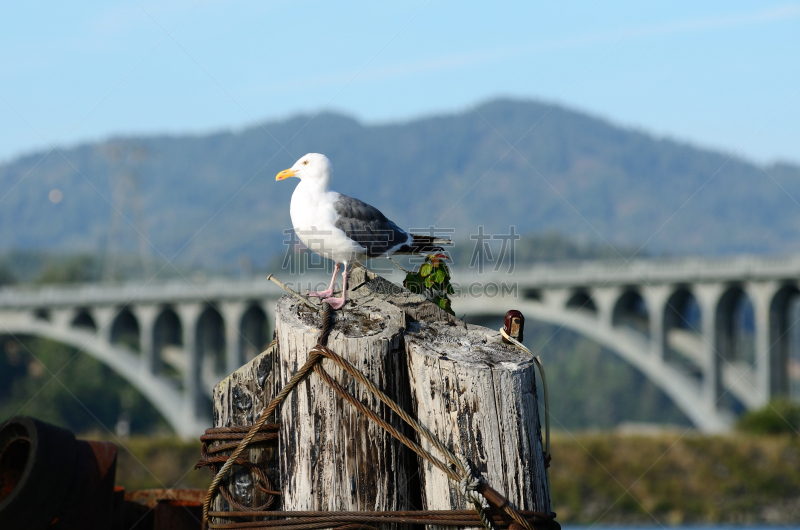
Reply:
x=305, y=162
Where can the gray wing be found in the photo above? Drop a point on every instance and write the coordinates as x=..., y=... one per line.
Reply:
x=367, y=226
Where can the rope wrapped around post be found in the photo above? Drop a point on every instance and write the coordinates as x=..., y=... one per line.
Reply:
x=313, y=358
x=491, y=508
x=208, y=459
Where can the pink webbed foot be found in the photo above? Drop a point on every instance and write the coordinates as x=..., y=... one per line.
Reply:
x=329, y=291
x=335, y=303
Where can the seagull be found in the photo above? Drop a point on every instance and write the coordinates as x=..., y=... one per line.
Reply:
x=341, y=228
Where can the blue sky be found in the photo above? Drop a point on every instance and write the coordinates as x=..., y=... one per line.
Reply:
x=718, y=74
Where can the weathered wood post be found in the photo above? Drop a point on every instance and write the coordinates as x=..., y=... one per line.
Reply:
x=239, y=400
x=472, y=391
x=333, y=457
x=478, y=396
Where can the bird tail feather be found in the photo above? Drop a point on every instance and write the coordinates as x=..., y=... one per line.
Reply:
x=423, y=245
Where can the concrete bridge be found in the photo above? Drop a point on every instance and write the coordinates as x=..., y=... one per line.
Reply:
x=714, y=334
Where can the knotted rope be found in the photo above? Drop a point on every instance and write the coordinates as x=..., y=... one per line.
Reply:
x=469, y=486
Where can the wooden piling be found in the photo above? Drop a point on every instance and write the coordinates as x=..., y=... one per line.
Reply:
x=333, y=457
x=472, y=391
x=239, y=400
x=478, y=396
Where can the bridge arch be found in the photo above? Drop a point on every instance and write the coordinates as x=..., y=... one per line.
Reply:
x=167, y=341
x=784, y=340
x=682, y=310
x=160, y=393
x=633, y=348
x=253, y=332
x=125, y=330
x=210, y=337
x=736, y=326
x=83, y=319
x=682, y=331
x=581, y=300
x=630, y=310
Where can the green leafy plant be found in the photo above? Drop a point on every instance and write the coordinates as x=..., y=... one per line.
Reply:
x=433, y=281
x=779, y=416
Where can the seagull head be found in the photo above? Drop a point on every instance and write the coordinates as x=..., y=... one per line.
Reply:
x=311, y=167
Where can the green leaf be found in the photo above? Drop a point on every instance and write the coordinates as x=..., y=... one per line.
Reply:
x=444, y=303
x=433, y=282
x=413, y=283
x=425, y=270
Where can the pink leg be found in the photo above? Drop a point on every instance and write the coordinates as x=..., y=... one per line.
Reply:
x=338, y=303
x=329, y=291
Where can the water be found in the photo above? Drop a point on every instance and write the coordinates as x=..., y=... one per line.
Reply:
x=792, y=526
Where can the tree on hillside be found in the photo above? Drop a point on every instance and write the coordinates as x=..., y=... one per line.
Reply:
x=71, y=269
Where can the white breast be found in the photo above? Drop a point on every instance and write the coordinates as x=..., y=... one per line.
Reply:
x=314, y=217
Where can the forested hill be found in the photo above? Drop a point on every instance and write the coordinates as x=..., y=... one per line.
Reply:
x=208, y=200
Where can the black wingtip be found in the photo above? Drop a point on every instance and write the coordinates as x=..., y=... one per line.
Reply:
x=423, y=245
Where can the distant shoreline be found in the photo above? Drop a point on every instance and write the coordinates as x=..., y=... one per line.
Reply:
x=716, y=482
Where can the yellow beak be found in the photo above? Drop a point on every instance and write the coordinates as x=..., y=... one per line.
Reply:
x=285, y=174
